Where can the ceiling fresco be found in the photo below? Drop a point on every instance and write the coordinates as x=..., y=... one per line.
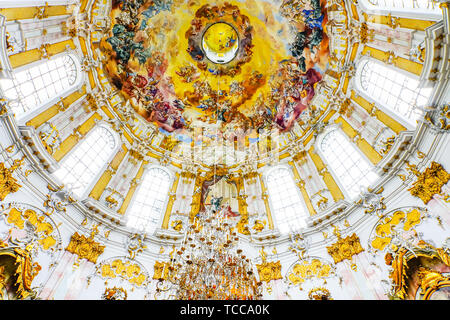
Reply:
x=239, y=67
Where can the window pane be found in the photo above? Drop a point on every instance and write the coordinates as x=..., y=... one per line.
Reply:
x=421, y=5
x=147, y=206
x=81, y=166
x=351, y=168
x=40, y=83
x=286, y=203
x=396, y=91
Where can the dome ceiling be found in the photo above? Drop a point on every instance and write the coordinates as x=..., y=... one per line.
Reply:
x=237, y=68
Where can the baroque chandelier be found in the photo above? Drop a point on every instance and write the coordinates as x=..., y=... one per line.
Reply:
x=209, y=265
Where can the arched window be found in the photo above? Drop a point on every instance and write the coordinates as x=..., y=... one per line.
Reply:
x=82, y=165
x=352, y=170
x=395, y=90
x=34, y=3
x=33, y=87
x=430, y=5
x=287, y=206
x=148, y=205
x=421, y=9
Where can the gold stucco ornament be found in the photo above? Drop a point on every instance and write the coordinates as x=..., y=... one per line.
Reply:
x=308, y=269
x=8, y=184
x=268, y=270
x=84, y=247
x=429, y=182
x=345, y=248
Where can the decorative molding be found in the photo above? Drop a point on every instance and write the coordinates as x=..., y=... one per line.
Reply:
x=125, y=269
x=429, y=182
x=8, y=184
x=268, y=270
x=85, y=248
x=345, y=248
x=308, y=269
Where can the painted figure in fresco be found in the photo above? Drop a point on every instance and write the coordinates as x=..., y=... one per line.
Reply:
x=227, y=212
x=142, y=57
x=216, y=202
x=294, y=94
x=312, y=35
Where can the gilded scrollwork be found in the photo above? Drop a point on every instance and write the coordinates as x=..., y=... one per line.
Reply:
x=431, y=282
x=417, y=271
x=438, y=119
x=115, y=294
x=345, y=248
x=268, y=270
x=309, y=269
x=429, y=182
x=161, y=270
x=9, y=184
x=259, y=225
x=84, y=247
x=386, y=145
x=124, y=269
x=20, y=272
x=177, y=225
x=396, y=227
x=135, y=244
x=319, y=293
x=37, y=226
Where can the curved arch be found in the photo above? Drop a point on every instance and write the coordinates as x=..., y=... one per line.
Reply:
x=37, y=84
x=396, y=91
x=348, y=165
x=82, y=165
x=149, y=202
x=287, y=206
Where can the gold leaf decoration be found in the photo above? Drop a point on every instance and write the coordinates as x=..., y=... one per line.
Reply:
x=429, y=182
x=8, y=184
x=345, y=248
x=269, y=271
x=43, y=229
x=407, y=220
x=85, y=248
x=308, y=269
x=161, y=270
x=124, y=269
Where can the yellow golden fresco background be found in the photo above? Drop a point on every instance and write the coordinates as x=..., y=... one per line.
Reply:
x=180, y=78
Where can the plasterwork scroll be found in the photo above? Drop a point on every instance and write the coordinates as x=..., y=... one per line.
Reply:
x=309, y=269
x=429, y=182
x=123, y=269
x=115, y=294
x=31, y=243
x=345, y=248
x=31, y=225
x=268, y=270
x=24, y=271
x=9, y=184
x=84, y=247
x=398, y=225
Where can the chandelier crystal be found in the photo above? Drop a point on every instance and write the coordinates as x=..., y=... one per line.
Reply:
x=209, y=265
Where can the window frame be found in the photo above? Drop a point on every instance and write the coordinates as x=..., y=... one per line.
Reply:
x=273, y=213
x=413, y=13
x=77, y=85
x=331, y=170
x=35, y=3
x=407, y=123
x=105, y=166
x=136, y=192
